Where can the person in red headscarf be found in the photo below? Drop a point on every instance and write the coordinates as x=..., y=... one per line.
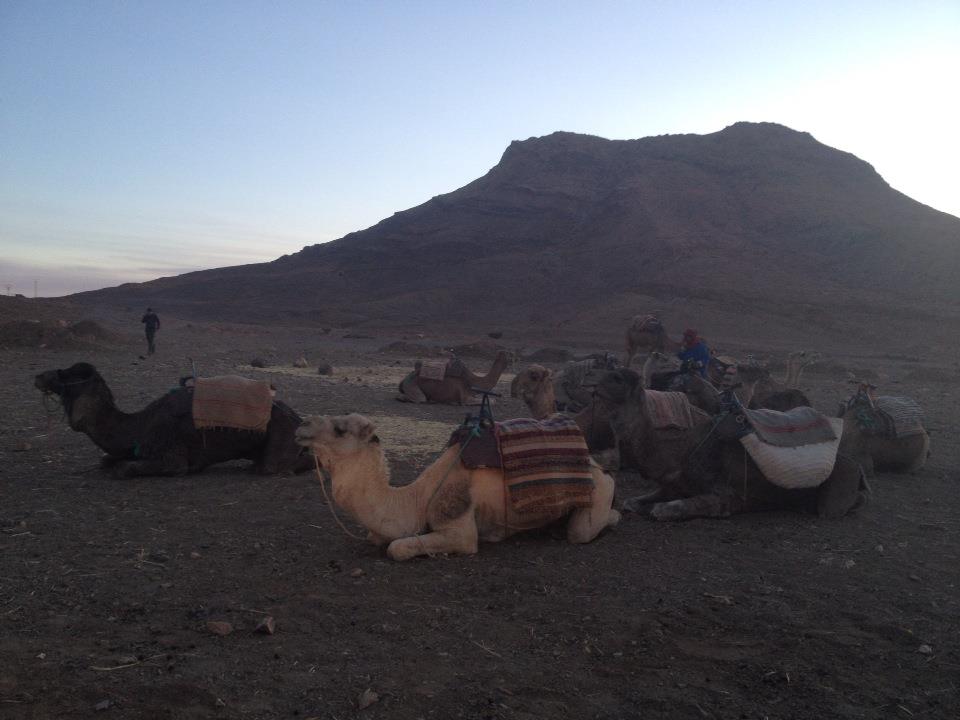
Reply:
x=694, y=349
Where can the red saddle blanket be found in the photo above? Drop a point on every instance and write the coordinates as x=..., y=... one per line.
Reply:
x=545, y=463
x=232, y=401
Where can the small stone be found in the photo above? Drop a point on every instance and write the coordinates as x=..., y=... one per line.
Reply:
x=300, y=362
x=847, y=564
x=195, y=555
x=915, y=578
x=102, y=705
x=925, y=650
x=325, y=369
x=158, y=556
x=22, y=446
x=357, y=572
x=265, y=626
x=258, y=362
x=367, y=698
x=219, y=627
x=880, y=548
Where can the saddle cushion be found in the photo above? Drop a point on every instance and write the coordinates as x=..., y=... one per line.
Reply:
x=803, y=466
x=799, y=426
x=232, y=401
x=480, y=451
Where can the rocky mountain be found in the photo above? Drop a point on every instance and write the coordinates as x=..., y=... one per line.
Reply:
x=754, y=227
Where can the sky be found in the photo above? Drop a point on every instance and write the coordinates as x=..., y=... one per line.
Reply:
x=144, y=139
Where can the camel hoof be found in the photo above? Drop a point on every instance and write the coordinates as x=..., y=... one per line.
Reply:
x=397, y=550
x=639, y=505
x=613, y=518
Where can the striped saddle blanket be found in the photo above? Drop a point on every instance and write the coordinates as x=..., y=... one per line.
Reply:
x=905, y=415
x=546, y=464
x=672, y=409
x=799, y=426
x=232, y=401
x=803, y=466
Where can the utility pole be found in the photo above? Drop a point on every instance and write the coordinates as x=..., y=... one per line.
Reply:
x=34, y=289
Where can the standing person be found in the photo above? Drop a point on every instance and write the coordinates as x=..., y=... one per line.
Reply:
x=151, y=323
x=694, y=348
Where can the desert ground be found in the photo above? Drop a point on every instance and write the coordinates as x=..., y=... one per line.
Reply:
x=107, y=586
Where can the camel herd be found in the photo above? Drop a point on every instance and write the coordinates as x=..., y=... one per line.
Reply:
x=712, y=444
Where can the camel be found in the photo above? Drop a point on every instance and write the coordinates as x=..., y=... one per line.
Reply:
x=707, y=473
x=456, y=387
x=576, y=380
x=884, y=453
x=452, y=506
x=659, y=370
x=161, y=439
x=534, y=385
x=761, y=390
x=646, y=333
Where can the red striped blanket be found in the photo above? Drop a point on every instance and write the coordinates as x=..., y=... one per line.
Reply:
x=232, y=401
x=546, y=464
x=799, y=426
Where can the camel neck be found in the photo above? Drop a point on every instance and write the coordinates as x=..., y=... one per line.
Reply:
x=544, y=402
x=490, y=379
x=361, y=486
x=112, y=430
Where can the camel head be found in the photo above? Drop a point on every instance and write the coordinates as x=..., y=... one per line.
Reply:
x=528, y=382
x=864, y=398
x=80, y=380
x=504, y=359
x=337, y=437
x=616, y=387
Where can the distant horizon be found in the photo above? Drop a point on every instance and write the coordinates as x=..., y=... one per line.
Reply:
x=146, y=140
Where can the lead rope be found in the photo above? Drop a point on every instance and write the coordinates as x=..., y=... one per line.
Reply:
x=323, y=486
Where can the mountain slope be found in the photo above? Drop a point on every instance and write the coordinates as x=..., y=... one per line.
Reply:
x=754, y=218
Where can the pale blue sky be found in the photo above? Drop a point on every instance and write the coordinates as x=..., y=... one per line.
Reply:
x=141, y=139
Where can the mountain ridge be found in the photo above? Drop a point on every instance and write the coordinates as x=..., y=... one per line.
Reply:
x=567, y=222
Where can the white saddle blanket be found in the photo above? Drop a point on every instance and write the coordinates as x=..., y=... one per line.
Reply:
x=803, y=466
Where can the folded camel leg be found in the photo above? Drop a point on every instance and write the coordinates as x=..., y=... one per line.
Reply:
x=457, y=537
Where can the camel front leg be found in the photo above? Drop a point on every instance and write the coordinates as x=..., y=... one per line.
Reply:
x=410, y=390
x=709, y=505
x=457, y=537
x=586, y=523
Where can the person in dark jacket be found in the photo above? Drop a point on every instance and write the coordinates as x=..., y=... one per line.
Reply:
x=151, y=323
x=693, y=348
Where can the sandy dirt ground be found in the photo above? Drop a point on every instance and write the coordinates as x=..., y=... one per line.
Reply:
x=107, y=586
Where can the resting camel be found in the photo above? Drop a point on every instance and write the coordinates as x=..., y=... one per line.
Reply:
x=646, y=333
x=885, y=450
x=455, y=387
x=576, y=391
x=161, y=439
x=760, y=390
x=707, y=473
x=534, y=385
x=453, y=507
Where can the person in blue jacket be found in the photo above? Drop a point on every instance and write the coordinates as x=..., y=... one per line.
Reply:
x=693, y=348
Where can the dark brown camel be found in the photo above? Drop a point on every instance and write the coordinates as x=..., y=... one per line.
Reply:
x=705, y=472
x=161, y=439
